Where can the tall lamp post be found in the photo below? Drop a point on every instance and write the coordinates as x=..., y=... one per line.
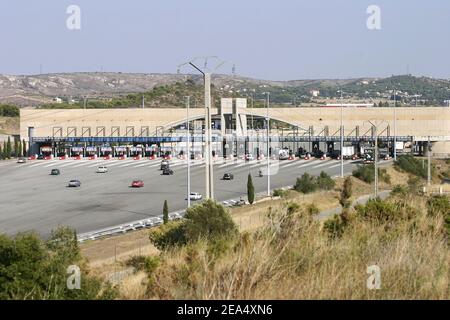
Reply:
x=268, y=144
x=342, y=135
x=395, y=125
x=375, y=124
x=188, y=153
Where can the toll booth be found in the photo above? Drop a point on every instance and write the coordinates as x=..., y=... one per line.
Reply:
x=105, y=151
x=121, y=152
x=92, y=152
x=151, y=151
x=166, y=152
x=77, y=152
x=47, y=152
x=136, y=152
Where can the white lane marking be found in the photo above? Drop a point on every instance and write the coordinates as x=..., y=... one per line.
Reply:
x=326, y=163
x=149, y=164
x=40, y=164
x=127, y=164
x=82, y=164
x=119, y=162
x=308, y=164
x=345, y=163
x=289, y=164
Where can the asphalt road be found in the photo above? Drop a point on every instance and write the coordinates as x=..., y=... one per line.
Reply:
x=32, y=199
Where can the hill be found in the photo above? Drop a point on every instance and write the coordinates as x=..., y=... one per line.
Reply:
x=113, y=87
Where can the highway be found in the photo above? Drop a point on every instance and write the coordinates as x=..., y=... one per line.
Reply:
x=32, y=199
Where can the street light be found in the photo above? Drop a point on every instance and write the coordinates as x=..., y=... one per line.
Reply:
x=342, y=135
x=375, y=124
x=268, y=142
x=395, y=125
x=188, y=152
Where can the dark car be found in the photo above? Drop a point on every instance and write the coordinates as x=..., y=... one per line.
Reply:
x=228, y=176
x=55, y=172
x=41, y=157
x=74, y=183
x=167, y=172
x=164, y=165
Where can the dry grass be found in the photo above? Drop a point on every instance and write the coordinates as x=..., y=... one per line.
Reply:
x=298, y=260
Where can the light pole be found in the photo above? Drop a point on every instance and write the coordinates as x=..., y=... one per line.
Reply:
x=429, y=162
x=188, y=153
x=342, y=137
x=268, y=143
x=375, y=125
x=395, y=125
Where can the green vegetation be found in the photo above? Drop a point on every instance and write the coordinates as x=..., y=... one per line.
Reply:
x=165, y=212
x=412, y=165
x=9, y=110
x=250, y=189
x=366, y=173
x=34, y=269
x=307, y=183
x=208, y=220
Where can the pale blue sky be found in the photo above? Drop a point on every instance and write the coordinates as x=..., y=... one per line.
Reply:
x=276, y=40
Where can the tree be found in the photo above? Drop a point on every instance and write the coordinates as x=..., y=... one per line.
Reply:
x=165, y=212
x=16, y=148
x=1, y=153
x=8, y=148
x=19, y=152
x=5, y=151
x=24, y=146
x=250, y=189
x=305, y=184
x=325, y=182
x=346, y=193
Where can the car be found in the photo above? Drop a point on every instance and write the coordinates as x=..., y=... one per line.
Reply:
x=249, y=157
x=40, y=157
x=195, y=196
x=137, y=184
x=228, y=176
x=102, y=169
x=55, y=172
x=22, y=160
x=167, y=172
x=164, y=164
x=74, y=183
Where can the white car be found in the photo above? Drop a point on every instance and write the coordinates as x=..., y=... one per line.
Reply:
x=249, y=157
x=195, y=196
x=102, y=169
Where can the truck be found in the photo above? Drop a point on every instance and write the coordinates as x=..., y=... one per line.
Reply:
x=348, y=152
x=283, y=154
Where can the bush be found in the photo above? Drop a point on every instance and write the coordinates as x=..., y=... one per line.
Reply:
x=33, y=269
x=346, y=193
x=279, y=193
x=250, y=189
x=438, y=205
x=411, y=165
x=208, y=220
x=366, y=173
x=8, y=110
x=325, y=182
x=305, y=184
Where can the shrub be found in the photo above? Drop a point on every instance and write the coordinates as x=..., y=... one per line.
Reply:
x=33, y=269
x=411, y=165
x=346, y=193
x=250, y=189
x=208, y=220
x=305, y=184
x=165, y=212
x=438, y=205
x=325, y=182
x=279, y=193
x=366, y=173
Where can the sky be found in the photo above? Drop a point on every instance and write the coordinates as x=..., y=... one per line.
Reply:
x=272, y=40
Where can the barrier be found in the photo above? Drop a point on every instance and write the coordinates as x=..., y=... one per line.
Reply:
x=108, y=157
x=65, y=157
x=122, y=157
x=79, y=157
x=94, y=157
x=138, y=157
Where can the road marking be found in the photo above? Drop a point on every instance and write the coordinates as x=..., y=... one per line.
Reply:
x=82, y=164
x=323, y=164
x=345, y=163
x=119, y=162
x=308, y=164
x=292, y=163
x=39, y=164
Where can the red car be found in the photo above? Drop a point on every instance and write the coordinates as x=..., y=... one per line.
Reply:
x=137, y=184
